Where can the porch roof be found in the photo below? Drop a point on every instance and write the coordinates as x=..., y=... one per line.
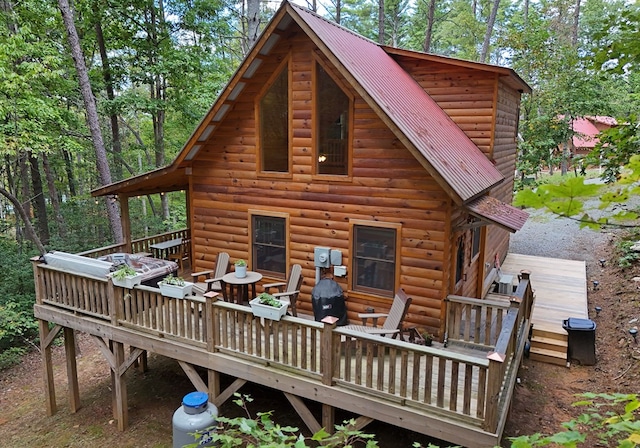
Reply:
x=490, y=209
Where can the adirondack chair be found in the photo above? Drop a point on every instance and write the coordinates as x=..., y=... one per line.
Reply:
x=393, y=320
x=288, y=291
x=213, y=278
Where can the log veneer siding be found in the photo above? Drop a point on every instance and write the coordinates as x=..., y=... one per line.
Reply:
x=387, y=184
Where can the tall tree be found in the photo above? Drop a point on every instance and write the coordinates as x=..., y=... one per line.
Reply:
x=487, y=36
x=92, y=117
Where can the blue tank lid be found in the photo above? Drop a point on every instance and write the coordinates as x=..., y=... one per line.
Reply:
x=195, y=399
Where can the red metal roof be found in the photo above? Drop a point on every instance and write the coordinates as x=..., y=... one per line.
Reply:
x=444, y=146
x=497, y=212
x=586, y=133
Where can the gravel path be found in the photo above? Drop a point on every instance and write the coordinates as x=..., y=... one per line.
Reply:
x=546, y=235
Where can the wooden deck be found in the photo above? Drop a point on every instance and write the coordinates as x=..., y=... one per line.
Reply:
x=460, y=393
x=560, y=288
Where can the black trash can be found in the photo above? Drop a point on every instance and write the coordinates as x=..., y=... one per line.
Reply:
x=582, y=340
x=327, y=299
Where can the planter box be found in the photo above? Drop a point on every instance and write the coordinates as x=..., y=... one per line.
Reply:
x=177, y=292
x=127, y=282
x=269, y=312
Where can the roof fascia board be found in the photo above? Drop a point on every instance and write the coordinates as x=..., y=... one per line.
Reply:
x=502, y=71
x=114, y=187
x=236, y=78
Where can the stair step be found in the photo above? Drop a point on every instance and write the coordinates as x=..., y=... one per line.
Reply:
x=549, y=334
x=548, y=356
x=549, y=344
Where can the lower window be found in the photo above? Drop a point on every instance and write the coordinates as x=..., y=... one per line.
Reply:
x=374, y=261
x=269, y=246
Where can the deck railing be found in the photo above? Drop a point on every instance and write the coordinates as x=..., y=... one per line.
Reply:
x=139, y=245
x=471, y=386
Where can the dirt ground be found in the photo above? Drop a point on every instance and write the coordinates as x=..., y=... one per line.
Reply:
x=542, y=398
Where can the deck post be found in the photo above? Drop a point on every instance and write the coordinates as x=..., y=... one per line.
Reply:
x=72, y=369
x=494, y=385
x=328, y=360
x=119, y=385
x=328, y=417
x=213, y=377
x=47, y=366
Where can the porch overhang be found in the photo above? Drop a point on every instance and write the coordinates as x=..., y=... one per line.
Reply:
x=161, y=180
x=487, y=208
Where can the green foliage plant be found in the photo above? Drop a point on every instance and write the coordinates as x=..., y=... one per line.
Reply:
x=173, y=280
x=262, y=431
x=123, y=272
x=269, y=300
x=567, y=199
x=611, y=419
x=240, y=262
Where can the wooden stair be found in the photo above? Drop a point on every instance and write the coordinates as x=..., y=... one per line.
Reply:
x=549, y=346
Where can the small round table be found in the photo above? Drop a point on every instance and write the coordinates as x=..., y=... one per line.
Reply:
x=241, y=286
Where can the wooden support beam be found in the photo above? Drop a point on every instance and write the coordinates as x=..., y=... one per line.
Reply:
x=304, y=412
x=193, y=376
x=72, y=369
x=328, y=418
x=119, y=386
x=46, y=336
x=362, y=421
x=214, y=384
x=228, y=392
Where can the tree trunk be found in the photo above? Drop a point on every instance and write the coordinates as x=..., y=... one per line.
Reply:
x=71, y=178
x=576, y=23
x=53, y=196
x=92, y=117
x=31, y=233
x=338, y=11
x=487, y=36
x=429, y=31
x=40, y=205
x=24, y=183
x=381, y=22
x=253, y=23
x=115, y=126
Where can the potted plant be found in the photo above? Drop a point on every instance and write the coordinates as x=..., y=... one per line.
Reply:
x=126, y=277
x=176, y=287
x=266, y=305
x=428, y=338
x=241, y=268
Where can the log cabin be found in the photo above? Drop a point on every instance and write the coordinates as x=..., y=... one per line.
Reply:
x=400, y=162
x=398, y=167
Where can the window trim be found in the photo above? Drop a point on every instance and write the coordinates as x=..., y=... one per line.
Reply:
x=270, y=214
x=475, y=255
x=285, y=64
x=317, y=60
x=352, y=258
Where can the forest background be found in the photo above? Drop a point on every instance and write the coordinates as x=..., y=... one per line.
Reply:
x=101, y=90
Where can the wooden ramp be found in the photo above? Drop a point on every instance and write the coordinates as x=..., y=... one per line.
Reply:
x=560, y=288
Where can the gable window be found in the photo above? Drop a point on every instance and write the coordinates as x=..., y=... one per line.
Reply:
x=269, y=243
x=332, y=116
x=375, y=259
x=274, y=124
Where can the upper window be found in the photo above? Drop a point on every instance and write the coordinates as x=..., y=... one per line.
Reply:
x=274, y=124
x=375, y=259
x=475, y=241
x=460, y=259
x=269, y=244
x=333, y=125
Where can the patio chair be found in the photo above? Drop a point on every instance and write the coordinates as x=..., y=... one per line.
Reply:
x=393, y=320
x=181, y=254
x=213, y=278
x=288, y=291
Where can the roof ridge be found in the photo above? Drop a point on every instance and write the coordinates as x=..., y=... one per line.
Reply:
x=331, y=22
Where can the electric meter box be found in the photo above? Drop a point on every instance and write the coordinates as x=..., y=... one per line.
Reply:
x=322, y=257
